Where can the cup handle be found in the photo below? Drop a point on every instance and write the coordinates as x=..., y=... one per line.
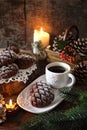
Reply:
x=73, y=80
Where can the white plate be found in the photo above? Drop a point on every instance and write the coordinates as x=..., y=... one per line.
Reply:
x=23, y=99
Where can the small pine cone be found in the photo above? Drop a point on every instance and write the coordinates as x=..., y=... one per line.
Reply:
x=80, y=72
x=2, y=99
x=7, y=57
x=80, y=46
x=2, y=109
x=2, y=113
x=60, y=37
x=41, y=94
x=55, y=46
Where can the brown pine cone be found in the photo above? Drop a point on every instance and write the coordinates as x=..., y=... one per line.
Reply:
x=7, y=57
x=80, y=46
x=41, y=94
x=80, y=72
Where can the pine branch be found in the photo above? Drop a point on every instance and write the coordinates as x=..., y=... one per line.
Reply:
x=62, y=44
x=83, y=97
x=57, y=120
x=72, y=119
x=74, y=96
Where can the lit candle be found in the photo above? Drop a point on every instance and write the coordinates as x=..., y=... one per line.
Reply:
x=11, y=106
x=41, y=36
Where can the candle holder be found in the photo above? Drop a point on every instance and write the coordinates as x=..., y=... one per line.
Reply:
x=11, y=107
x=38, y=50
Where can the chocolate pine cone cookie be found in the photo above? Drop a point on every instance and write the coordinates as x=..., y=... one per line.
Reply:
x=13, y=47
x=7, y=57
x=41, y=94
x=8, y=71
x=24, y=61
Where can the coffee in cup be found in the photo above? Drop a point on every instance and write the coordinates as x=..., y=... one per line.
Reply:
x=58, y=75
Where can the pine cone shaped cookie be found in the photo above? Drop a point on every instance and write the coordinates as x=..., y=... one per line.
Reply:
x=41, y=94
x=13, y=47
x=24, y=61
x=7, y=57
x=8, y=71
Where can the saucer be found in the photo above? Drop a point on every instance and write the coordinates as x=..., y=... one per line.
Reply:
x=23, y=99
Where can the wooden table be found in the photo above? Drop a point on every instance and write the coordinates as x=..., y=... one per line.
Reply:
x=15, y=121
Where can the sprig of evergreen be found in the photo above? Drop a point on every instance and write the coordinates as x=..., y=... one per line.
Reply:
x=75, y=96
x=72, y=119
x=69, y=95
x=62, y=44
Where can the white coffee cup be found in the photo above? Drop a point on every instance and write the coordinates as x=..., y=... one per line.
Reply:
x=59, y=77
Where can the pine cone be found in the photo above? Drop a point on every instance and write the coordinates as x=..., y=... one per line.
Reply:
x=80, y=72
x=80, y=46
x=41, y=94
x=2, y=109
x=55, y=46
x=7, y=57
x=69, y=35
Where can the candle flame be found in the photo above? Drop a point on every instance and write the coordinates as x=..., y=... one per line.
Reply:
x=35, y=31
x=41, y=30
x=10, y=102
x=10, y=106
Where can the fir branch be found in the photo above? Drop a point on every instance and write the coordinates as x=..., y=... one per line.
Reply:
x=74, y=95
x=76, y=113
x=72, y=119
x=70, y=95
x=62, y=44
x=49, y=121
x=83, y=97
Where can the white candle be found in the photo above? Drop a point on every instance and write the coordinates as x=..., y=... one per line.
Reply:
x=41, y=36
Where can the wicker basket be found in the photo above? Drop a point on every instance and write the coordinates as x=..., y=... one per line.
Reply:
x=53, y=57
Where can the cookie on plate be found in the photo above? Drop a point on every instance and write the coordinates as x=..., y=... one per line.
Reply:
x=41, y=95
x=7, y=57
x=8, y=71
x=24, y=61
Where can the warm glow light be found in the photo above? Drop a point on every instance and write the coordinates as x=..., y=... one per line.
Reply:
x=10, y=106
x=10, y=102
x=41, y=36
x=41, y=31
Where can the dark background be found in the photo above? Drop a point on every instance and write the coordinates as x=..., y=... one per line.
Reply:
x=19, y=18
